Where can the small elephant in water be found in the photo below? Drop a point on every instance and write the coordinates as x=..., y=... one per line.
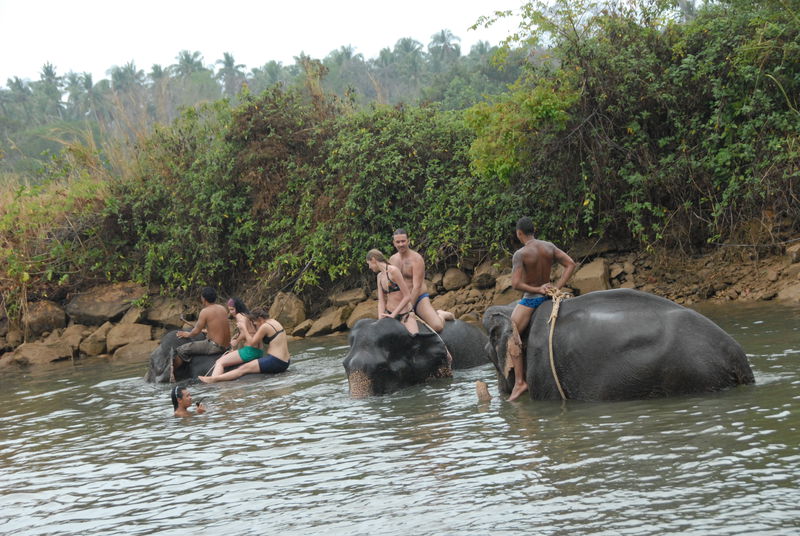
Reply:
x=385, y=357
x=160, y=370
x=618, y=345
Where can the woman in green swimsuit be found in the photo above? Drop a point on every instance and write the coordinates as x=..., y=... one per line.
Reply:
x=394, y=296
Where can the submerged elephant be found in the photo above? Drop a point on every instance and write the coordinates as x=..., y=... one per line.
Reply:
x=385, y=357
x=619, y=345
x=160, y=370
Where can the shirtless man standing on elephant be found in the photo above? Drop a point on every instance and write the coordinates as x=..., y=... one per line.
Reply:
x=412, y=266
x=214, y=319
x=531, y=266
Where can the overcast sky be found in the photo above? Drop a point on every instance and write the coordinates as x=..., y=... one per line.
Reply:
x=93, y=36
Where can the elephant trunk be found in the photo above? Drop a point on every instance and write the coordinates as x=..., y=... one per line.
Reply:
x=360, y=384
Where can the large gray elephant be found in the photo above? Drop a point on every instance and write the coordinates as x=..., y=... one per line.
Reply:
x=160, y=370
x=619, y=345
x=385, y=357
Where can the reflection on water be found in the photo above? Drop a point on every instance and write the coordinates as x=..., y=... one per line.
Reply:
x=92, y=449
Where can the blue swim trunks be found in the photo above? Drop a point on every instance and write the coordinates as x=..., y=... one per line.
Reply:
x=420, y=298
x=269, y=364
x=533, y=303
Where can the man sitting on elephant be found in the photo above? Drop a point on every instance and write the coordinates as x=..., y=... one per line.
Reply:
x=213, y=319
x=531, y=266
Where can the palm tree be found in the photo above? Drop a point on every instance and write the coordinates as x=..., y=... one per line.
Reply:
x=21, y=94
x=49, y=90
x=127, y=78
x=188, y=64
x=231, y=74
x=443, y=48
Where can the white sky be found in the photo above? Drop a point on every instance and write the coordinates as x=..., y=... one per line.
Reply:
x=94, y=35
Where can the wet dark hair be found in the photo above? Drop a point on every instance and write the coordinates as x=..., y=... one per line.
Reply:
x=177, y=392
x=399, y=231
x=209, y=294
x=525, y=224
x=238, y=306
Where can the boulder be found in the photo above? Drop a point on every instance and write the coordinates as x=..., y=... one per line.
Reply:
x=43, y=316
x=135, y=351
x=485, y=276
x=431, y=289
x=445, y=301
x=104, y=303
x=793, y=253
x=789, y=294
x=454, y=279
x=95, y=344
x=503, y=283
x=348, y=297
x=332, y=319
x=629, y=268
x=367, y=309
x=14, y=337
x=123, y=334
x=166, y=312
x=436, y=280
x=288, y=309
x=591, y=277
x=507, y=296
x=73, y=335
x=134, y=315
x=615, y=270
x=38, y=353
x=302, y=328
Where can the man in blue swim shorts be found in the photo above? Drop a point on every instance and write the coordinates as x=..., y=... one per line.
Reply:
x=412, y=266
x=531, y=266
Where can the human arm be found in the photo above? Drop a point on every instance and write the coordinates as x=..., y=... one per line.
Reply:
x=202, y=320
x=381, y=298
x=569, y=267
x=405, y=293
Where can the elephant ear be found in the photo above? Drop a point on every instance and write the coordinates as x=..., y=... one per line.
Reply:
x=498, y=326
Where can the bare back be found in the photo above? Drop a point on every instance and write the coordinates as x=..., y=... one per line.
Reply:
x=214, y=318
x=532, y=265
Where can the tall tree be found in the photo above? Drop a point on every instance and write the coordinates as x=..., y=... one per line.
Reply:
x=444, y=49
x=188, y=64
x=231, y=74
x=48, y=91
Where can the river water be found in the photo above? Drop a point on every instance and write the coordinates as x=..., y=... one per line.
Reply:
x=90, y=448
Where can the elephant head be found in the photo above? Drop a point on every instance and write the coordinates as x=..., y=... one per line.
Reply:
x=497, y=322
x=385, y=357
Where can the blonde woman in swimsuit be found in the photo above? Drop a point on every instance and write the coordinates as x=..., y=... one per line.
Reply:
x=394, y=296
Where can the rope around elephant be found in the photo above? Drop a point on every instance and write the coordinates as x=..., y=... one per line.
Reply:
x=557, y=295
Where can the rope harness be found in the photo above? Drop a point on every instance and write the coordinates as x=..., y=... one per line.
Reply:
x=557, y=296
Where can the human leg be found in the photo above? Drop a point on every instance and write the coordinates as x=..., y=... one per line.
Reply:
x=425, y=311
x=520, y=318
x=227, y=359
x=251, y=367
x=410, y=322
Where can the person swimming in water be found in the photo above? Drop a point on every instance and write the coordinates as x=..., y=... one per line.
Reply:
x=182, y=401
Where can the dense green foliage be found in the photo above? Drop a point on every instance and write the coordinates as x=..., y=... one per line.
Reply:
x=626, y=122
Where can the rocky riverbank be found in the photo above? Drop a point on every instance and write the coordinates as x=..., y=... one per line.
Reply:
x=121, y=322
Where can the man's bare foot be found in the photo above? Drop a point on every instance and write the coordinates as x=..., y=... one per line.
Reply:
x=207, y=379
x=518, y=390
